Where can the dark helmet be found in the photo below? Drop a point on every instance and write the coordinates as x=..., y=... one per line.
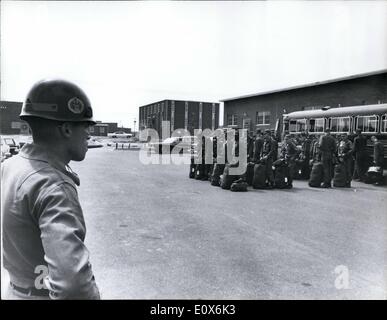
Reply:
x=57, y=100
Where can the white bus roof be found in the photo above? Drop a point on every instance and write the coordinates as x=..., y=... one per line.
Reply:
x=338, y=112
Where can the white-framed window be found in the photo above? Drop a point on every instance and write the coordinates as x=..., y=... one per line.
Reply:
x=186, y=115
x=316, y=125
x=172, y=115
x=15, y=125
x=297, y=125
x=263, y=118
x=246, y=123
x=367, y=123
x=384, y=124
x=213, y=116
x=232, y=119
x=200, y=115
x=340, y=124
x=166, y=111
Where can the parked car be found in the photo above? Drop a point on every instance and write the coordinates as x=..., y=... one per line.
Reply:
x=119, y=134
x=5, y=151
x=94, y=143
x=186, y=143
x=13, y=146
x=24, y=139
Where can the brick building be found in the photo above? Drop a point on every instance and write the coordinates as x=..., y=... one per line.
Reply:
x=11, y=124
x=189, y=115
x=264, y=109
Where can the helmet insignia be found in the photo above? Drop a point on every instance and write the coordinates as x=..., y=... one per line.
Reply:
x=75, y=105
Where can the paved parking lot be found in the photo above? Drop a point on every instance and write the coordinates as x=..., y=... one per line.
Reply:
x=155, y=233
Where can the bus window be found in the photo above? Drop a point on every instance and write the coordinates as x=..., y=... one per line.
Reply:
x=293, y=126
x=341, y=124
x=367, y=123
x=384, y=124
x=301, y=125
x=298, y=125
x=316, y=125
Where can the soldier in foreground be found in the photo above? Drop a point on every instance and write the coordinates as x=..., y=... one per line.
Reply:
x=43, y=224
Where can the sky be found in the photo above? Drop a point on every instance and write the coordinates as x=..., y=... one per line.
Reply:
x=127, y=54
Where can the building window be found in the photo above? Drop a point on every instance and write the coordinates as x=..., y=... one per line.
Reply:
x=200, y=114
x=213, y=116
x=91, y=129
x=186, y=116
x=173, y=115
x=102, y=130
x=232, y=119
x=367, y=123
x=15, y=125
x=341, y=124
x=316, y=125
x=263, y=118
x=246, y=124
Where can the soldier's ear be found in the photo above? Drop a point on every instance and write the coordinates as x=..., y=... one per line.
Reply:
x=66, y=129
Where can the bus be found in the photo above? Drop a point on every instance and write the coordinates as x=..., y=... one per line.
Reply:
x=371, y=119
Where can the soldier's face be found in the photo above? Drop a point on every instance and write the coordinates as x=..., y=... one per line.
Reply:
x=80, y=135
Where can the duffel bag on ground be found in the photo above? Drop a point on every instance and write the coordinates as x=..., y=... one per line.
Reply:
x=374, y=175
x=340, y=176
x=250, y=173
x=298, y=172
x=199, y=172
x=316, y=175
x=217, y=171
x=281, y=179
x=192, y=169
x=227, y=179
x=259, y=179
x=239, y=185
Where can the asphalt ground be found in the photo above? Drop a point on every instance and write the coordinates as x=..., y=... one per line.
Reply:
x=153, y=233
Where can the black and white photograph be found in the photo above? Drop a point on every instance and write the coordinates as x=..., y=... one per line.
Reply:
x=193, y=151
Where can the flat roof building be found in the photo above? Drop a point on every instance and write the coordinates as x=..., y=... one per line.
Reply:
x=263, y=110
x=188, y=115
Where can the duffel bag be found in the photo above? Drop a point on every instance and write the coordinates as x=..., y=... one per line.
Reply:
x=227, y=179
x=239, y=186
x=199, y=172
x=259, y=179
x=374, y=175
x=217, y=171
x=281, y=179
x=250, y=173
x=316, y=175
x=339, y=176
x=192, y=169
